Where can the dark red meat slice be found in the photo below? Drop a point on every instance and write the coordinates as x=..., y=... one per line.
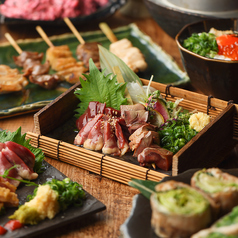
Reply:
x=121, y=140
x=83, y=133
x=4, y=165
x=95, y=137
x=110, y=143
x=24, y=153
x=23, y=170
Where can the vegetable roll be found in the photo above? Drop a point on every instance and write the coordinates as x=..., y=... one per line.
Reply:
x=227, y=227
x=178, y=210
x=221, y=187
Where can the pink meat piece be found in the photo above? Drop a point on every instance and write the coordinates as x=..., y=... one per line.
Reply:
x=155, y=154
x=95, y=137
x=49, y=9
x=135, y=107
x=23, y=170
x=110, y=143
x=92, y=110
x=4, y=165
x=25, y=154
x=121, y=140
x=83, y=133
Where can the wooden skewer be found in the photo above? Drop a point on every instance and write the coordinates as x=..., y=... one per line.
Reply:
x=74, y=30
x=44, y=36
x=108, y=32
x=13, y=43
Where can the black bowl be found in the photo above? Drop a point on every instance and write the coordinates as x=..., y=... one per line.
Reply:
x=172, y=15
x=214, y=77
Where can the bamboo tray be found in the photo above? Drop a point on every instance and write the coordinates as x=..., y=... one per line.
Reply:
x=55, y=132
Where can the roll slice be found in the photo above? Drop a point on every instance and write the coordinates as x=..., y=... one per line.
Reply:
x=227, y=226
x=178, y=210
x=221, y=187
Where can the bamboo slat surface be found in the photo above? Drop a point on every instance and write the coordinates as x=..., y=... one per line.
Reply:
x=98, y=163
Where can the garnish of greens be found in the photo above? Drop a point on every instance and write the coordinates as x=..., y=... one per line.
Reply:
x=204, y=44
x=20, y=139
x=69, y=192
x=98, y=87
x=176, y=133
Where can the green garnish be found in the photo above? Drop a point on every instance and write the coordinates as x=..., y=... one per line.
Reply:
x=204, y=44
x=176, y=133
x=99, y=88
x=70, y=193
x=20, y=139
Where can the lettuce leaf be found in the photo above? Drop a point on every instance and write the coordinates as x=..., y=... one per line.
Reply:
x=98, y=87
x=20, y=139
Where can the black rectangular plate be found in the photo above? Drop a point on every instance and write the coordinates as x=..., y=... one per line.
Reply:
x=90, y=206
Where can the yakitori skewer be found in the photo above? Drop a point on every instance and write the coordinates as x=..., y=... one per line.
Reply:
x=13, y=43
x=62, y=61
x=32, y=66
x=124, y=49
x=85, y=50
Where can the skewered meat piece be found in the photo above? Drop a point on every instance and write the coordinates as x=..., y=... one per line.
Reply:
x=34, y=56
x=11, y=80
x=62, y=61
x=53, y=54
x=88, y=50
x=131, y=55
x=46, y=81
x=32, y=67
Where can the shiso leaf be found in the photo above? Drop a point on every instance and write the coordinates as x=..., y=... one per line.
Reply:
x=146, y=187
x=20, y=139
x=98, y=87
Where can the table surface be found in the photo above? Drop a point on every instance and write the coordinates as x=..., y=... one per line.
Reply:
x=116, y=196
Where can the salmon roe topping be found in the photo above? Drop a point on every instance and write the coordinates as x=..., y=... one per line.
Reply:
x=228, y=46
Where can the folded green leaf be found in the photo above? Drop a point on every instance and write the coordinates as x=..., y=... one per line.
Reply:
x=108, y=60
x=20, y=139
x=146, y=187
x=100, y=88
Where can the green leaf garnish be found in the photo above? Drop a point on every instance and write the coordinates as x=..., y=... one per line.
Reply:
x=100, y=88
x=146, y=187
x=108, y=60
x=21, y=140
x=70, y=193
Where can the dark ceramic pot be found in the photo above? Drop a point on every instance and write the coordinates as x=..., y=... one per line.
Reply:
x=218, y=78
x=173, y=15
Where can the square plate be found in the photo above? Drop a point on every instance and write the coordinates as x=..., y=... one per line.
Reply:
x=90, y=206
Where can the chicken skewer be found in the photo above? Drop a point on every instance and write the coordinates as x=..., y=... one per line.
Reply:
x=124, y=49
x=32, y=66
x=85, y=50
x=62, y=61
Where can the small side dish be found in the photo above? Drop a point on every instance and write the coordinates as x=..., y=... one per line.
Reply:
x=215, y=44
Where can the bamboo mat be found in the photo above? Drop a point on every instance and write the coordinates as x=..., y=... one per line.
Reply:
x=103, y=165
